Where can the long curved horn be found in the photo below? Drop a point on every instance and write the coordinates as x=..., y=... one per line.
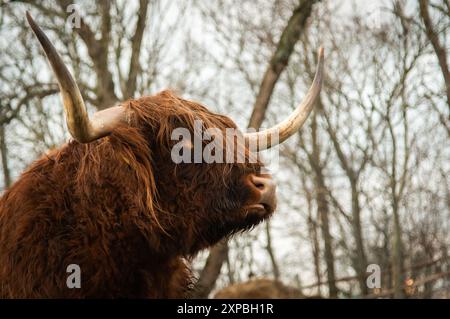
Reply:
x=80, y=127
x=279, y=133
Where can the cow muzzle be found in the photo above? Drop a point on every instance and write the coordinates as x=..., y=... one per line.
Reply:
x=267, y=190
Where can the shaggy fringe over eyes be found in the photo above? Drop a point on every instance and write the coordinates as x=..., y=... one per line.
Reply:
x=164, y=112
x=126, y=151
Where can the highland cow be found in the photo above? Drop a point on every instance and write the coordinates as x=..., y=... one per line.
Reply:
x=113, y=202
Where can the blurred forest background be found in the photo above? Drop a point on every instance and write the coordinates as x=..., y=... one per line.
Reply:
x=366, y=181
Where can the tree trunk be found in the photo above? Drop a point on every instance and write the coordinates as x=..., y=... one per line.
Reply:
x=98, y=50
x=361, y=259
x=280, y=59
x=440, y=51
x=397, y=255
x=323, y=209
x=211, y=271
x=316, y=252
x=275, y=268
x=4, y=151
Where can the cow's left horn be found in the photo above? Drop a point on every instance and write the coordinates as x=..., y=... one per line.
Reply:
x=81, y=128
x=277, y=134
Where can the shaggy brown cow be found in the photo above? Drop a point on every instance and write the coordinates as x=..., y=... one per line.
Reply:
x=113, y=202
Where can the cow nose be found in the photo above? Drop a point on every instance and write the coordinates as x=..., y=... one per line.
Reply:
x=267, y=187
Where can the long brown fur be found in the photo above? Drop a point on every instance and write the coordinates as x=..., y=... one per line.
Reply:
x=121, y=210
x=259, y=288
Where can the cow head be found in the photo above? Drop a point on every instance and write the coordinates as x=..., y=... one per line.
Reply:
x=196, y=203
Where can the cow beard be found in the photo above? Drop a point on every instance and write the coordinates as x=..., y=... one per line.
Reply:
x=228, y=228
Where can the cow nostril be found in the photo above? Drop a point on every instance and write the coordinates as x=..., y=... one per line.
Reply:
x=261, y=183
x=260, y=186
